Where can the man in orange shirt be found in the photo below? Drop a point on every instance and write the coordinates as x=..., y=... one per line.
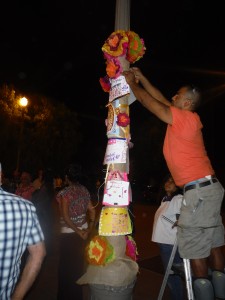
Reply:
x=200, y=227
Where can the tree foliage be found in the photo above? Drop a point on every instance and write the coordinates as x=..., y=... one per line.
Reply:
x=51, y=132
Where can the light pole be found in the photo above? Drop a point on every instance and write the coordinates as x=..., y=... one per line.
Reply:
x=22, y=103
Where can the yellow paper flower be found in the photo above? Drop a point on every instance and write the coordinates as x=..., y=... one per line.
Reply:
x=116, y=44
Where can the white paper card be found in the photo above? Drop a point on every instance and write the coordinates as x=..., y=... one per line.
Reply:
x=119, y=88
x=116, y=151
x=116, y=193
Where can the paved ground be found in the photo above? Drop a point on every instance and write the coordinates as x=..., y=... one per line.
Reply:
x=149, y=279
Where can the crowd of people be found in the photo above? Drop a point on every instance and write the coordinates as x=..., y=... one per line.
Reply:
x=27, y=210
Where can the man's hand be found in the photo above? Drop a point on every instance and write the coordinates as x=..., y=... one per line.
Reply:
x=138, y=74
x=130, y=77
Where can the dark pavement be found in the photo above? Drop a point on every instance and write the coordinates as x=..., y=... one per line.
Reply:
x=150, y=275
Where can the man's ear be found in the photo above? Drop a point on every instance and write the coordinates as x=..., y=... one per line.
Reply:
x=187, y=103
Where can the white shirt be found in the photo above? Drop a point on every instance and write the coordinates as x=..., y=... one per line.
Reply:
x=162, y=229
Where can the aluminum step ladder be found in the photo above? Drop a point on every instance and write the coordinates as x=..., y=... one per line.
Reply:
x=187, y=270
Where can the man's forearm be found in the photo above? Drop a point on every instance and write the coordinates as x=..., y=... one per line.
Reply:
x=29, y=274
x=148, y=86
x=158, y=108
x=153, y=91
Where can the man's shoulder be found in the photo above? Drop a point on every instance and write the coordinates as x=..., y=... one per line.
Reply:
x=6, y=196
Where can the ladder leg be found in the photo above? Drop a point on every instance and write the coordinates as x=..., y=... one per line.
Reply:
x=188, y=278
x=168, y=270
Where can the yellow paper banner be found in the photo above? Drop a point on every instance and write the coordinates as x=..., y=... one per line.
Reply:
x=114, y=221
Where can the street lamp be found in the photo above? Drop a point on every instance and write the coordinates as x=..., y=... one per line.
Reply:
x=22, y=103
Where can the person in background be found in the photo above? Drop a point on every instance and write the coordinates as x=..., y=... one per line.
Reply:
x=58, y=183
x=77, y=221
x=38, y=180
x=13, y=183
x=165, y=231
x=200, y=229
x=19, y=230
x=25, y=188
x=43, y=199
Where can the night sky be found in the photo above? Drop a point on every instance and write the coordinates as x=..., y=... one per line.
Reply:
x=54, y=48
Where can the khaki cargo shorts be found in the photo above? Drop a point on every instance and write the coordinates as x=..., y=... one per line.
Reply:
x=200, y=226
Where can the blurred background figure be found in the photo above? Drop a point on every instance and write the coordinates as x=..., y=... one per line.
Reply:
x=25, y=188
x=43, y=199
x=165, y=231
x=38, y=180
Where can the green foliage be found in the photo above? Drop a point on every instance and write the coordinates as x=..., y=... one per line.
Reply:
x=51, y=132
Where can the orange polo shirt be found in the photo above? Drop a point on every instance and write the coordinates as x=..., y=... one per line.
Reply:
x=184, y=149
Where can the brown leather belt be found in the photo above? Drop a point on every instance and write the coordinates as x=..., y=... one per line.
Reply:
x=200, y=184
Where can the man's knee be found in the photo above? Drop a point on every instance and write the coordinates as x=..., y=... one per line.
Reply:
x=203, y=289
x=218, y=281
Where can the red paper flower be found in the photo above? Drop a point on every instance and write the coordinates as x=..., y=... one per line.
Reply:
x=105, y=83
x=123, y=119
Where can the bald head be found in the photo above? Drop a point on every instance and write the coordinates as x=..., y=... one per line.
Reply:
x=194, y=94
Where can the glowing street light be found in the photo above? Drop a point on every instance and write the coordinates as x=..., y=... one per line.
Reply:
x=22, y=103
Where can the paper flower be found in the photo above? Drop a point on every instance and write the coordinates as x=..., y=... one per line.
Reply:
x=113, y=68
x=99, y=251
x=121, y=43
x=116, y=44
x=105, y=83
x=131, y=248
x=136, y=48
x=123, y=119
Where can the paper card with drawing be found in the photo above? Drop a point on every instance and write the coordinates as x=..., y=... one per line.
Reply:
x=116, y=193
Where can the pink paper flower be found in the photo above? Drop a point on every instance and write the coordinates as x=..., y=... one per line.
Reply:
x=131, y=248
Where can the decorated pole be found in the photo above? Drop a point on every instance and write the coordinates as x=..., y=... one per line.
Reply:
x=112, y=254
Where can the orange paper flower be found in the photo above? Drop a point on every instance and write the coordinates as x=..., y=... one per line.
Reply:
x=136, y=47
x=99, y=251
x=113, y=68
